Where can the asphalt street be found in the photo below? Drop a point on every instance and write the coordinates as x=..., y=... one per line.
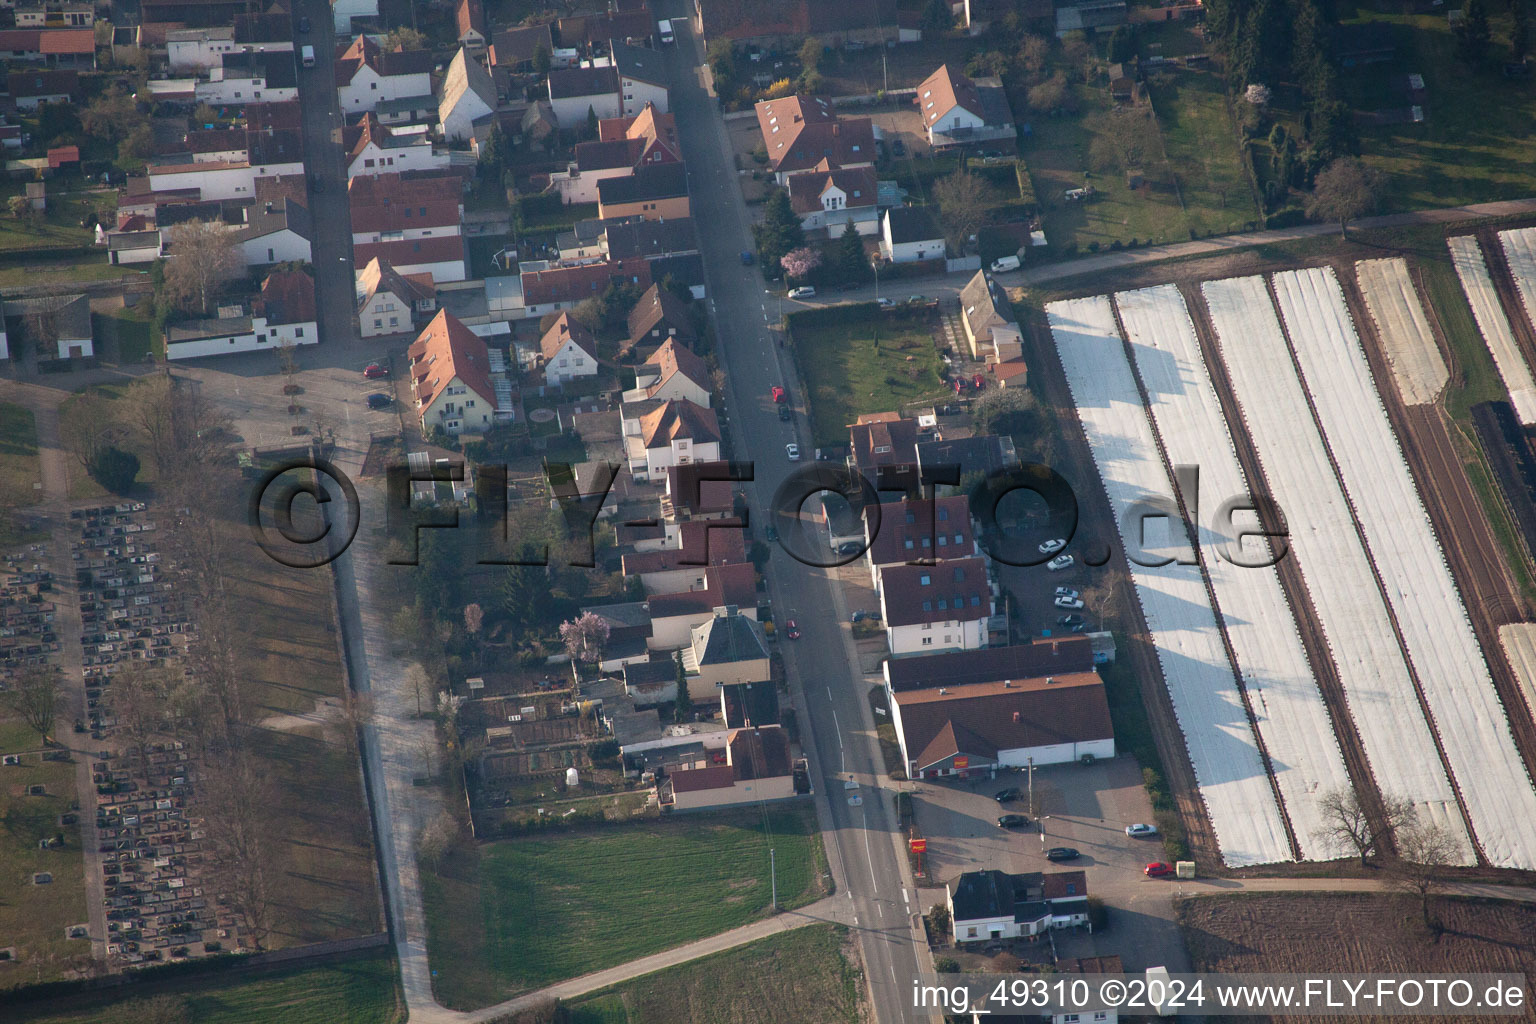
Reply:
x=860, y=826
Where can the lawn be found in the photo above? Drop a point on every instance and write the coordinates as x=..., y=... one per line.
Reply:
x=851, y=368
x=19, y=466
x=1202, y=149
x=63, y=274
x=1475, y=144
x=359, y=990
x=521, y=914
x=803, y=975
x=136, y=339
x=60, y=226
x=33, y=917
x=80, y=483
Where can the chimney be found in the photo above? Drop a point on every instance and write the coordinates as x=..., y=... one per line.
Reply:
x=269, y=207
x=1049, y=680
x=943, y=691
x=1007, y=684
x=1015, y=718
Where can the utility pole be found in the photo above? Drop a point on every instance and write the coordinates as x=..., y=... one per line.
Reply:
x=774, y=875
x=1032, y=811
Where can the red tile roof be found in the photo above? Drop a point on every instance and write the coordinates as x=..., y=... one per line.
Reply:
x=884, y=442
x=698, y=780
x=858, y=184
x=61, y=155
x=471, y=16
x=909, y=530
x=411, y=252
x=675, y=357
x=565, y=329
x=944, y=90
x=801, y=131
x=723, y=585
x=288, y=297
x=574, y=283
x=988, y=717
x=956, y=591
x=445, y=350
x=395, y=202
x=78, y=41
x=679, y=419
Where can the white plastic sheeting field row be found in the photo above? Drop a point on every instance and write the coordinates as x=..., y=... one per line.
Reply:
x=1467, y=258
x=1520, y=253
x=1519, y=642
x=1349, y=606
x=1444, y=651
x=1222, y=750
x=1417, y=365
x=1277, y=677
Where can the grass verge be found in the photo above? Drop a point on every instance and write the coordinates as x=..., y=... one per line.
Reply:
x=511, y=916
x=19, y=465
x=803, y=975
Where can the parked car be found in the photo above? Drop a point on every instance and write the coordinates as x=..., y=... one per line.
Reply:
x=1071, y=603
x=915, y=300
x=1059, y=562
x=747, y=259
x=379, y=400
x=1005, y=795
x=885, y=303
x=858, y=616
x=1157, y=869
x=1050, y=547
x=978, y=381
x=1070, y=620
x=373, y=371
x=779, y=394
x=898, y=148
x=1141, y=830
x=1005, y=264
x=785, y=413
x=1061, y=853
x=791, y=629
x=303, y=24
x=771, y=533
x=850, y=547
x=805, y=291
x=1012, y=821
x=792, y=452
x=1066, y=592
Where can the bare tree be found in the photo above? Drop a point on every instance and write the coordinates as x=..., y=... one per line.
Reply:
x=964, y=200
x=139, y=695
x=1345, y=190
x=438, y=838
x=237, y=798
x=204, y=256
x=90, y=427
x=34, y=696
x=1424, y=848
x=416, y=678
x=1346, y=823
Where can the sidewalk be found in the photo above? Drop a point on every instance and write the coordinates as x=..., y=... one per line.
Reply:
x=1229, y=886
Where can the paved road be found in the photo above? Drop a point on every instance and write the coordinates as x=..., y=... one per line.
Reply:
x=838, y=732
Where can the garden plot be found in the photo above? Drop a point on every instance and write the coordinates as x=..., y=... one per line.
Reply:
x=1349, y=606
x=1467, y=258
x=1277, y=677
x=1446, y=656
x=1520, y=254
x=1222, y=750
x=1417, y=366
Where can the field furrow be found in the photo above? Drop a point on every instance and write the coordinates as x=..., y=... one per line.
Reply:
x=1467, y=258
x=1418, y=369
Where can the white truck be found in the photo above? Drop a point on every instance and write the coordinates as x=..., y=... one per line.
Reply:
x=664, y=32
x=307, y=56
x=1005, y=264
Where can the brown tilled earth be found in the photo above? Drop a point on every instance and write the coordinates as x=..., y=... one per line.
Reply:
x=1367, y=933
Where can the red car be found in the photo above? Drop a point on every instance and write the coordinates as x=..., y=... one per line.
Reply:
x=1157, y=869
x=778, y=393
x=959, y=383
x=373, y=371
x=791, y=630
x=978, y=382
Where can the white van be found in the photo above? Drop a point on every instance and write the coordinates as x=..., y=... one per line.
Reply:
x=1007, y=263
x=307, y=56
x=664, y=32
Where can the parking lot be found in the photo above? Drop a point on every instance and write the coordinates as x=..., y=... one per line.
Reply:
x=1083, y=807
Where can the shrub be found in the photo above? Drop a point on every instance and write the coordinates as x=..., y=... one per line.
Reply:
x=946, y=965
x=115, y=469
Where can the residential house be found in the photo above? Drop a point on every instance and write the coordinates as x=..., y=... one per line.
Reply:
x=749, y=705
x=250, y=77
x=939, y=607
x=450, y=378
x=833, y=198
x=268, y=154
x=699, y=490
x=390, y=302
x=372, y=148
x=412, y=222
x=800, y=132
x=516, y=49
x=658, y=316
x=675, y=616
x=985, y=906
x=958, y=111
x=623, y=145
x=569, y=352
x=52, y=47
x=578, y=94
x=344, y=11
x=195, y=12
x=662, y=434
x=881, y=441
x=129, y=247
x=368, y=75
x=278, y=232
x=467, y=102
x=1011, y=723
x=767, y=24
x=198, y=49
x=642, y=78
x=658, y=241
x=910, y=234
x=1090, y=17
x=680, y=565
x=470, y=16
x=917, y=530
x=550, y=288
x=728, y=648
x=673, y=371
x=979, y=15
x=30, y=89
x=1045, y=656
x=979, y=454
x=1125, y=82
x=631, y=24
x=987, y=319
x=757, y=768
x=58, y=326
x=283, y=314
x=654, y=192
x=40, y=14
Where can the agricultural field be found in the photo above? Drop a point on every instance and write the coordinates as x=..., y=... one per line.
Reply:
x=875, y=363
x=1472, y=268
x=803, y=975
x=19, y=466
x=1206, y=698
x=516, y=915
x=363, y=989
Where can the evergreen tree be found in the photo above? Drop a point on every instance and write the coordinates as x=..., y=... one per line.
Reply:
x=683, y=706
x=779, y=232
x=851, y=262
x=1473, y=34
x=937, y=18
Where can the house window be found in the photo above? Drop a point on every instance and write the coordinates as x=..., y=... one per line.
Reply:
x=959, y=538
x=942, y=541
x=970, y=933
x=959, y=574
x=394, y=321
x=908, y=543
x=911, y=518
x=925, y=579
x=943, y=515
x=373, y=85
x=378, y=325
x=928, y=642
x=298, y=332
x=927, y=606
x=927, y=543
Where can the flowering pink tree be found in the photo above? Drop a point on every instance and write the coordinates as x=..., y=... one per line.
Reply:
x=584, y=637
x=798, y=263
x=474, y=618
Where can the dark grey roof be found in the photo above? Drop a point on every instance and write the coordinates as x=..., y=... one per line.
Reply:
x=656, y=181
x=628, y=613
x=750, y=704
x=1056, y=656
x=287, y=214
x=729, y=637
x=132, y=240
x=569, y=83
x=71, y=314
x=913, y=224
x=645, y=673
x=635, y=236
x=276, y=68
x=639, y=63
x=979, y=894
x=985, y=454
x=687, y=269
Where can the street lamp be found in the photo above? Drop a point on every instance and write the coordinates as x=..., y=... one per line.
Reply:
x=1043, y=819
